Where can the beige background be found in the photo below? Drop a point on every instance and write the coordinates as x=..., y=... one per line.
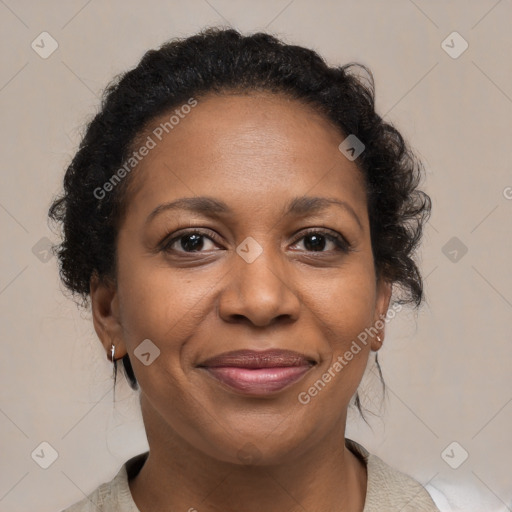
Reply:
x=448, y=368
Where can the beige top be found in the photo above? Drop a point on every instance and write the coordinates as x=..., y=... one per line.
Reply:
x=388, y=490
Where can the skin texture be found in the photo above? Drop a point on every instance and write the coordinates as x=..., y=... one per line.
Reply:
x=255, y=152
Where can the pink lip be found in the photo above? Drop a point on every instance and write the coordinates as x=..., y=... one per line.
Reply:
x=259, y=381
x=258, y=372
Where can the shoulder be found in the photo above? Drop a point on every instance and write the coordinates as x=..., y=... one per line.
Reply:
x=113, y=496
x=389, y=489
x=104, y=499
x=95, y=501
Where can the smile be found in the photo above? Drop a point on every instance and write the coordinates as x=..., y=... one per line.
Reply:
x=258, y=373
x=261, y=381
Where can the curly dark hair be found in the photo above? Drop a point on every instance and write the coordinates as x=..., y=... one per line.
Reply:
x=223, y=61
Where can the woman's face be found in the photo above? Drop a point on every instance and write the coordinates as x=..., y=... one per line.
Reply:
x=258, y=276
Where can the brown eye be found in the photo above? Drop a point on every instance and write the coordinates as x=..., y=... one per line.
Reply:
x=316, y=240
x=188, y=242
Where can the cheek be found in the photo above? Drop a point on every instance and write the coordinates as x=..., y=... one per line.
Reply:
x=344, y=311
x=164, y=306
x=346, y=302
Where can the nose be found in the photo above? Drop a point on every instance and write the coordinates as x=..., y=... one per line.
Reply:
x=260, y=293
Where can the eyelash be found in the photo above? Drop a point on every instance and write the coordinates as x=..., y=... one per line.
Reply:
x=340, y=242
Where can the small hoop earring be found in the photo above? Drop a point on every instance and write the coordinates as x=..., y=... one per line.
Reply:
x=114, y=362
x=114, y=372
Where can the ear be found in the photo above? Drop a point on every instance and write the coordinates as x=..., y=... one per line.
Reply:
x=384, y=289
x=105, y=315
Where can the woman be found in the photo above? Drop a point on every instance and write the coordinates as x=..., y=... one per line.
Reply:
x=239, y=217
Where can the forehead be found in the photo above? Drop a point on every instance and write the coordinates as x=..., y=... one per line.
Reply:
x=260, y=146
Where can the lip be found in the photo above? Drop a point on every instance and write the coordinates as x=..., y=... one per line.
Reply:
x=258, y=372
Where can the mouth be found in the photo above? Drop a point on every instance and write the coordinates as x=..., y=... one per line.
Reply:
x=258, y=372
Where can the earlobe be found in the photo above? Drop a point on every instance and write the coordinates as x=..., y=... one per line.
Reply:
x=105, y=315
x=377, y=343
x=384, y=290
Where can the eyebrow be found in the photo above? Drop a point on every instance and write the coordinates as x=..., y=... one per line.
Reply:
x=212, y=207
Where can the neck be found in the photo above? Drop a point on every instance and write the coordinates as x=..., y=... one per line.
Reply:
x=177, y=476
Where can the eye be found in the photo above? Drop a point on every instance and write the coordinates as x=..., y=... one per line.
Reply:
x=315, y=240
x=190, y=241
